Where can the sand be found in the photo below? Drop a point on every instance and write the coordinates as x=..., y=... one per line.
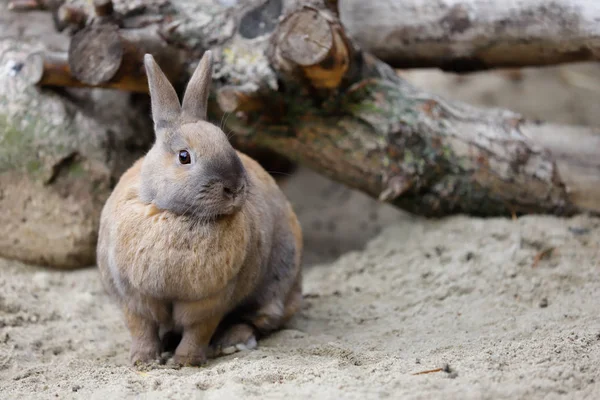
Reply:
x=505, y=308
x=462, y=294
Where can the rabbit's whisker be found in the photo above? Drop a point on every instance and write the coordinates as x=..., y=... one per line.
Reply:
x=224, y=119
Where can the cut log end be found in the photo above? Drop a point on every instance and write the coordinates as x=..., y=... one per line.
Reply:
x=306, y=38
x=239, y=98
x=311, y=41
x=103, y=8
x=95, y=54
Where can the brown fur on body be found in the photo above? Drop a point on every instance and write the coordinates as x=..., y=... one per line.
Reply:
x=217, y=268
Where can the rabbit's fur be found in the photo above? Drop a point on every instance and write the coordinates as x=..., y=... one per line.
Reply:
x=209, y=249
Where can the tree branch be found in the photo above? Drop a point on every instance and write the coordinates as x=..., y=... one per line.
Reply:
x=468, y=35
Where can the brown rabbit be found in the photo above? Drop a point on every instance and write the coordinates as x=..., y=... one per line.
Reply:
x=197, y=238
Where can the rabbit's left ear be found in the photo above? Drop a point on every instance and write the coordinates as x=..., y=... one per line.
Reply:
x=195, y=99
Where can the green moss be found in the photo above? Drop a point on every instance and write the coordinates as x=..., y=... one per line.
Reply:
x=16, y=150
x=34, y=167
x=26, y=134
x=76, y=169
x=364, y=107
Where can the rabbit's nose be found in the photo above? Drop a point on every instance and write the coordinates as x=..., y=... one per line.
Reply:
x=228, y=190
x=233, y=190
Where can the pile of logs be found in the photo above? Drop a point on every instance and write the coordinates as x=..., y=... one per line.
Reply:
x=291, y=77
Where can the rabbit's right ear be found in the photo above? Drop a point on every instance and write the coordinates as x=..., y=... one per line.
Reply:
x=165, y=103
x=195, y=99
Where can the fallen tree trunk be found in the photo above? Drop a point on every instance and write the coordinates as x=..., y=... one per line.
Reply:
x=291, y=80
x=468, y=35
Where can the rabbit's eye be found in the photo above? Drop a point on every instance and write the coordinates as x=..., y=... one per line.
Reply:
x=184, y=157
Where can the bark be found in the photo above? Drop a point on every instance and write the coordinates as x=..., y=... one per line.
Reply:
x=467, y=35
x=287, y=77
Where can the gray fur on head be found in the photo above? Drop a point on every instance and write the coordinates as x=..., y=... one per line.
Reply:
x=214, y=181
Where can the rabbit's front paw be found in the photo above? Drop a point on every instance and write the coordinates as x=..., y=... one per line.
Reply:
x=196, y=358
x=141, y=356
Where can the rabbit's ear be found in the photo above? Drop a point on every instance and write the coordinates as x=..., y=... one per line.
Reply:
x=165, y=103
x=195, y=99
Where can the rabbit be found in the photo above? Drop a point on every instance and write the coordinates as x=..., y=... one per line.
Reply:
x=196, y=238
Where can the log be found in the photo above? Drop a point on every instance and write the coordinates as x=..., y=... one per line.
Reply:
x=49, y=69
x=58, y=160
x=67, y=16
x=435, y=158
x=25, y=5
x=468, y=35
x=576, y=153
x=290, y=79
x=102, y=55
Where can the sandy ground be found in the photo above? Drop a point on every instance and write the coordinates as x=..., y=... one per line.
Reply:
x=387, y=295
x=461, y=292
